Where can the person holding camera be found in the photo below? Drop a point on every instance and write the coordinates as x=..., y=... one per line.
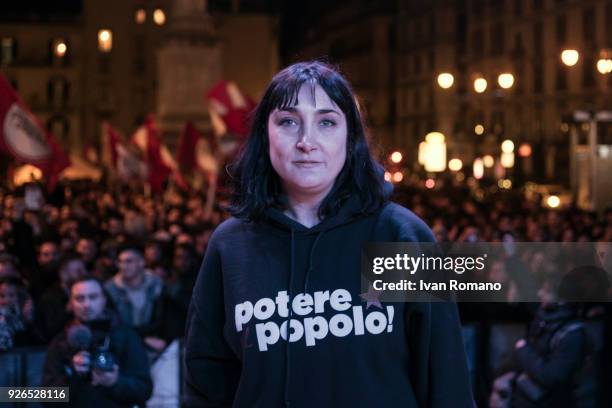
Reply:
x=102, y=361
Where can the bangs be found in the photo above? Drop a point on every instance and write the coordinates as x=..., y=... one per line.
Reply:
x=285, y=92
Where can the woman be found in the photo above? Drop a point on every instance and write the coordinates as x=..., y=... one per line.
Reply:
x=307, y=195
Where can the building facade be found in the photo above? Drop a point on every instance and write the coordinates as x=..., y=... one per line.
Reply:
x=98, y=61
x=473, y=39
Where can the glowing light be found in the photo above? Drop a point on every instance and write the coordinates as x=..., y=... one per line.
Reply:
x=387, y=176
x=396, y=157
x=105, y=40
x=434, y=137
x=455, y=164
x=479, y=129
x=570, y=57
x=505, y=80
x=524, y=150
x=141, y=16
x=445, y=80
x=430, y=183
x=505, y=183
x=478, y=168
x=26, y=174
x=60, y=49
x=422, y=153
x=507, y=146
x=604, y=66
x=507, y=159
x=480, y=85
x=435, y=152
x=553, y=201
x=159, y=17
x=488, y=161
x=398, y=176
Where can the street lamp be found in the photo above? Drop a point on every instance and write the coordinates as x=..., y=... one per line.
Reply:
x=570, y=57
x=507, y=156
x=435, y=152
x=105, y=40
x=604, y=64
x=60, y=48
x=455, y=164
x=478, y=168
x=445, y=80
x=507, y=146
x=480, y=84
x=505, y=80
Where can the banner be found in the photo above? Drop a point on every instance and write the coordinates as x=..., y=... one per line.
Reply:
x=24, y=138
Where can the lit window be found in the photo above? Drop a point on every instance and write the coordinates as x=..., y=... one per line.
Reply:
x=105, y=40
x=59, y=47
x=7, y=54
x=141, y=16
x=159, y=16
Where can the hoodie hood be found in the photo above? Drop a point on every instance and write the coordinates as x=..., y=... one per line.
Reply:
x=349, y=211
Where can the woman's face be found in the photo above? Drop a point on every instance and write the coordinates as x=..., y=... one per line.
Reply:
x=308, y=143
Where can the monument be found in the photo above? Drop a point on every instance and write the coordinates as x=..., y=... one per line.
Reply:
x=189, y=64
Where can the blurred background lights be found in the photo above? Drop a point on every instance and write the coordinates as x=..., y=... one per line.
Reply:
x=445, y=80
x=455, y=164
x=553, y=201
x=396, y=157
x=570, y=57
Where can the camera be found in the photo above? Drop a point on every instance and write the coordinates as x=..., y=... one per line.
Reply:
x=102, y=359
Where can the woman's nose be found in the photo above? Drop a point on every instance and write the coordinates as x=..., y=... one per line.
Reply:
x=306, y=141
x=305, y=145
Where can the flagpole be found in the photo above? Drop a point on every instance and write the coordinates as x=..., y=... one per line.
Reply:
x=210, y=195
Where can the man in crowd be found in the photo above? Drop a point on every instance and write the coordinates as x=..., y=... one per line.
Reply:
x=46, y=275
x=52, y=311
x=88, y=250
x=121, y=378
x=137, y=295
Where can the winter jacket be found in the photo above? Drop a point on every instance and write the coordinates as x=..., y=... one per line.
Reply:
x=555, y=363
x=133, y=386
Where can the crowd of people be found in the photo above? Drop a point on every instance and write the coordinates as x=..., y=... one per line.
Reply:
x=143, y=253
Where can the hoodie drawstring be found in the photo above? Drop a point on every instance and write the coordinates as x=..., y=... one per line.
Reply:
x=288, y=321
x=312, y=249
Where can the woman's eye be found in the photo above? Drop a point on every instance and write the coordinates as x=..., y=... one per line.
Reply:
x=286, y=122
x=328, y=123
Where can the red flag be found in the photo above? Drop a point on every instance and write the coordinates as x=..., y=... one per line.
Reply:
x=232, y=105
x=23, y=136
x=185, y=153
x=121, y=159
x=110, y=141
x=146, y=139
x=160, y=162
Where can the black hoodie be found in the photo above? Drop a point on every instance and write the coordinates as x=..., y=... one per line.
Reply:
x=346, y=348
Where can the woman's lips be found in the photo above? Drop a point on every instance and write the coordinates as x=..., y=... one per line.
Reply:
x=306, y=163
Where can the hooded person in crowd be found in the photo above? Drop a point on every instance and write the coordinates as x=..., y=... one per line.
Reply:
x=278, y=316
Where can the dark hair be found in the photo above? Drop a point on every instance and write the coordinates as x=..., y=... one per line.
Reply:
x=131, y=246
x=89, y=278
x=256, y=186
x=69, y=257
